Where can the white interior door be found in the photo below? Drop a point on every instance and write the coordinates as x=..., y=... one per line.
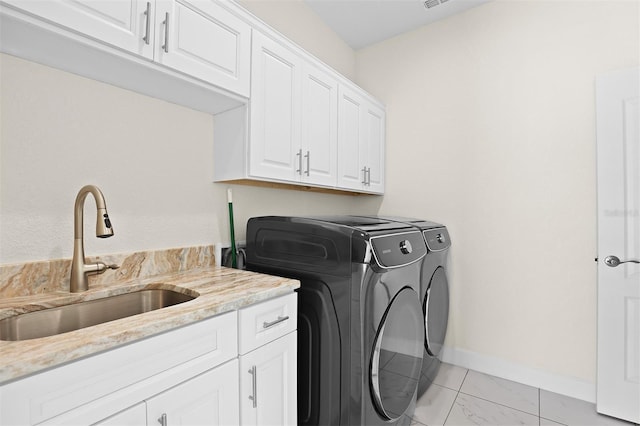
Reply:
x=618, y=141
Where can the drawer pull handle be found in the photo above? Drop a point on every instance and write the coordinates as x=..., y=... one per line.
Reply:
x=272, y=323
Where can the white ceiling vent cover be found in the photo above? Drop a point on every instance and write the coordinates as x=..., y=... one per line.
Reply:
x=432, y=3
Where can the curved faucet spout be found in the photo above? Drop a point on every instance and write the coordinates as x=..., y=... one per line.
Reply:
x=79, y=268
x=103, y=224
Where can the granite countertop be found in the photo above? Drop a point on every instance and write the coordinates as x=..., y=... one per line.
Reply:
x=218, y=289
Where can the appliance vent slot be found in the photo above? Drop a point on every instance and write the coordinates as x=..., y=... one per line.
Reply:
x=431, y=3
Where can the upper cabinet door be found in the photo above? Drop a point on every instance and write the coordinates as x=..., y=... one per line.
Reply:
x=274, y=149
x=127, y=24
x=374, y=141
x=319, y=127
x=351, y=171
x=361, y=140
x=204, y=40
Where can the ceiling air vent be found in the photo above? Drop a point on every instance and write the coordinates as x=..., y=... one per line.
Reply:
x=432, y=3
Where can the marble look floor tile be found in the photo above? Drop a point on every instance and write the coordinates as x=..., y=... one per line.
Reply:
x=469, y=410
x=547, y=422
x=573, y=412
x=450, y=376
x=433, y=407
x=501, y=391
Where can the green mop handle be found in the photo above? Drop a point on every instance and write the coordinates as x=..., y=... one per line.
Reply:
x=234, y=260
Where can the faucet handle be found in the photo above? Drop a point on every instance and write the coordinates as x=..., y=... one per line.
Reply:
x=99, y=268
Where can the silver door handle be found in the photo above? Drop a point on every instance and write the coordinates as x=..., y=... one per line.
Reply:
x=614, y=261
x=274, y=322
x=307, y=157
x=148, y=14
x=165, y=46
x=163, y=419
x=299, y=155
x=368, y=176
x=364, y=175
x=254, y=387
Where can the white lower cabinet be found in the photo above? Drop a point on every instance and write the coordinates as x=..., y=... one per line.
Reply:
x=132, y=416
x=208, y=399
x=268, y=362
x=187, y=376
x=268, y=384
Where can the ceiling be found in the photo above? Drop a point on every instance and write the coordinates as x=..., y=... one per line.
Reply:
x=361, y=23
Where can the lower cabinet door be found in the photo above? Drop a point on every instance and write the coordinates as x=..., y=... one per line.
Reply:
x=268, y=384
x=210, y=398
x=132, y=416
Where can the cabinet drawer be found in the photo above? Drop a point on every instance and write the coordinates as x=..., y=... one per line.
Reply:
x=265, y=322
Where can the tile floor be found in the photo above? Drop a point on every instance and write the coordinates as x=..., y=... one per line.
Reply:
x=465, y=397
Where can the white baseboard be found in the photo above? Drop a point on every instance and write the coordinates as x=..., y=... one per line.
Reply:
x=564, y=385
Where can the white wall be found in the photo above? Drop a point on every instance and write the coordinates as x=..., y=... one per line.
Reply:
x=491, y=130
x=152, y=159
x=297, y=21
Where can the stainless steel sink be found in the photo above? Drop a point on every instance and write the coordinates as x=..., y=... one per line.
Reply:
x=49, y=322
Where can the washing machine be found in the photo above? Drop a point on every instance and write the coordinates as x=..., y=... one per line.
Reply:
x=360, y=323
x=434, y=293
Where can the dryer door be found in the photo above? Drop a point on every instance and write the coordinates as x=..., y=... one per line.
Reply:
x=397, y=357
x=436, y=312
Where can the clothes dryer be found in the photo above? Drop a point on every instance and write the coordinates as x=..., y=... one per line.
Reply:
x=434, y=293
x=360, y=323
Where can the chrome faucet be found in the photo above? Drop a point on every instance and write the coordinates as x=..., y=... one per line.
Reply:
x=80, y=270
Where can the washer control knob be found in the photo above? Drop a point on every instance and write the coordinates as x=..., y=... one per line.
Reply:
x=440, y=238
x=405, y=247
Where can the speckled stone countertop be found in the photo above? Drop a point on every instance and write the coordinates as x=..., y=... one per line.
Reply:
x=218, y=289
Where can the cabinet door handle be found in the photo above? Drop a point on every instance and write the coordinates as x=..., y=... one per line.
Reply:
x=165, y=46
x=364, y=175
x=148, y=23
x=368, y=176
x=274, y=322
x=299, y=155
x=307, y=157
x=254, y=387
x=163, y=419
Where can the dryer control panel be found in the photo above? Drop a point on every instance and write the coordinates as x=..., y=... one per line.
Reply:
x=396, y=250
x=437, y=239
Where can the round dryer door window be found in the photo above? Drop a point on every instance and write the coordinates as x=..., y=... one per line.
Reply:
x=436, y=312
x=397, y=357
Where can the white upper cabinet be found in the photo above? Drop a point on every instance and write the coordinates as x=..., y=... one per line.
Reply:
x=319, y=127
x=275, y=111
x=127, y=24
x=281, y=115
x=199, y=38
x=361, y=135
x=293, y=117
x=202, y=39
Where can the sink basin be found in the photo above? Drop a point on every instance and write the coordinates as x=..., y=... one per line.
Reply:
x=49, y=322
